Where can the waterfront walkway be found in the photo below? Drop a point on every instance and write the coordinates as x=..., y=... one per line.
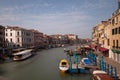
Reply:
x=111, y=62
x=114, y=64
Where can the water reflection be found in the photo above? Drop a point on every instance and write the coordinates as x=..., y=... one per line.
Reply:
x=68, y=76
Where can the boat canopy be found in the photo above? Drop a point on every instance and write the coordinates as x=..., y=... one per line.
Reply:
x=22, y=52
x=99, y=72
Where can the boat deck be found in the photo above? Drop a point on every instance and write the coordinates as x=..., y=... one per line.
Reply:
x=84, y=66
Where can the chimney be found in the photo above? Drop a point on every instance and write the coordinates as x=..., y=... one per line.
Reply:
x=118, y=4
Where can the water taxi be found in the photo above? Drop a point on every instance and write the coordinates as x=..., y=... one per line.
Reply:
x=22, y=55
x=63, y=65
x=100, y=75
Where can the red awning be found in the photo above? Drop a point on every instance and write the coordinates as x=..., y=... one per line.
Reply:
x=87, y=47
x=102, y=49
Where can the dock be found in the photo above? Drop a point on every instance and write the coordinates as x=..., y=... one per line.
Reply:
x=100, y=62
x=84, y=66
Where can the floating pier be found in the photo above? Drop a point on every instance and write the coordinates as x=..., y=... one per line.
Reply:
x=77, y=67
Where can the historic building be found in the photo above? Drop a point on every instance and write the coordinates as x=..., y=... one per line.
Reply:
x=2, y=36
x=38, y=38
x=115, y=34
x=108, y=34
x=73, y=39
x=98, y=33
x=2, y=41
x=18, y=37
x=95, y=38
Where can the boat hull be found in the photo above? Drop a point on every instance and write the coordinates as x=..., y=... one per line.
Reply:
x=101, y=75
x=22, y=55
x=86, y=61
x=63, y=65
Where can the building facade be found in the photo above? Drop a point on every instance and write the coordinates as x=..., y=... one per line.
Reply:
x=18, y=37
x=73, y=39
x=108, y=34
x=38, y=38
x=115, y=35
x=2, y=41
x=98, y=33
x=2, y=36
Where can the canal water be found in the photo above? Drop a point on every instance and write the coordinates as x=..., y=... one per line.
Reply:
x=43, y=66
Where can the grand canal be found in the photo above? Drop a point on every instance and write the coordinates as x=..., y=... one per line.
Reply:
x=42, y=66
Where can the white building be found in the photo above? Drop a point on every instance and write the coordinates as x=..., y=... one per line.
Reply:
x=18, y=37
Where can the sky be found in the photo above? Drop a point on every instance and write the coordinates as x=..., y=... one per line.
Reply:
x=57, y=16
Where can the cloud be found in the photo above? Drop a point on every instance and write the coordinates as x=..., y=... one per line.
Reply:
x=51, y=18
x=57, y=22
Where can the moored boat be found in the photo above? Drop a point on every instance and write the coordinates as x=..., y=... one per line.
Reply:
x=63, y=65
x=86, y=61
x=100, y=75
x=22, y=55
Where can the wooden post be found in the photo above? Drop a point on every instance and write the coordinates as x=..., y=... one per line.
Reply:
x=95, y=60
x=107, y=68
x=70, y=62
x=100, y=64
x=115, y=73
x=110, y=70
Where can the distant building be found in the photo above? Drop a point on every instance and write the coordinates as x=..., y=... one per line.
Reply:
x=2, y=41
x=45, y=42
x=98, y=33
x=85, y=41
x=38, y=38
x=73, y=39
x=18, y=37
x=59, y=40
x=2, y=36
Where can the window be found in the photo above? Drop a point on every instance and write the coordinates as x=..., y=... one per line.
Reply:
x=6, y=40
x=119, y=30
x=18, y=33
x=116, y=43
x=113, y=32
x=11, y=40
x=116, y=31
x=99, y=34
x=18, y=40
x=6, y=34
x=108, y=42
x=113, y=43
x=10, y=34
x=103, y=41
x=116, y=20
x=113, y=21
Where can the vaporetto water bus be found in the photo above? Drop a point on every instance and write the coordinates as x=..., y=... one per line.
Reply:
x=22, y=55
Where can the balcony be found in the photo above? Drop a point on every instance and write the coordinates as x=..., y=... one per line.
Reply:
x=116, y=47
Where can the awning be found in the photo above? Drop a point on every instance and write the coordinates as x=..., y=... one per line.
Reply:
x=116, y=51
x=102, y=49
x=93, y=45
x=88, y=47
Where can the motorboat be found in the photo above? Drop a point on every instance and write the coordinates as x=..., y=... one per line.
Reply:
x=86, y=61
x=22, y=55
x=63, y=65
x=100, y=75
